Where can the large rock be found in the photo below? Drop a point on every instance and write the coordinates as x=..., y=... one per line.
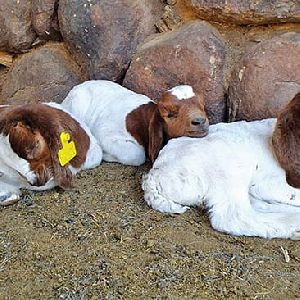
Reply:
x=103, y=34
x=247, y=12
x=194, y=54
x=16, y=33
x=45, y=74
x=44, y=18
x=3, y=72
x=267, y=77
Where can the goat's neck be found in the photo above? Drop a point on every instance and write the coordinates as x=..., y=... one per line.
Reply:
x=138, y=122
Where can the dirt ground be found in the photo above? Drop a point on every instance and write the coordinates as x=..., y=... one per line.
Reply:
x=101, y=241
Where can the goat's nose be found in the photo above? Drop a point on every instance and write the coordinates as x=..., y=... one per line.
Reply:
x=198, y=121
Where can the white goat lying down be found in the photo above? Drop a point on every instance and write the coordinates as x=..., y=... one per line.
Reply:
x=234, y=174
x=130, y=127
x=42, y=146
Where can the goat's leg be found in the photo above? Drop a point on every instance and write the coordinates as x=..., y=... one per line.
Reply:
x=233, y=213
x=13, y=161
x=8, y=198
x=9, y=190
x=122, y=150
x=275, y=190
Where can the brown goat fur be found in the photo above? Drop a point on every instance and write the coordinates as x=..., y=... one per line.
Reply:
x=34, y=134
x=286, y=141
x=153, y=124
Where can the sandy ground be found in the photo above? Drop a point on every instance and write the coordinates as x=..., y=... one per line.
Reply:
x=101, y=241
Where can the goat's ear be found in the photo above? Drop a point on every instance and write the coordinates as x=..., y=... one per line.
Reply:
x=167, y=105
x=293, y=179
x=62, y=175
x=156, y=136
x=38, y=145
x=21, y=138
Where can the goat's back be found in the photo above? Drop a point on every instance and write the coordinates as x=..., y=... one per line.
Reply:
x=102, y=104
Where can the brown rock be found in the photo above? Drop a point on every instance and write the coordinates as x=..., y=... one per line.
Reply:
x=103, y=34
x=194, y=54
x=247, y=12
x=267, y=77
x=45, y=74
x=16, y=33
x=6, y=59
x=169, y=20
x=44, y=18
x=3, y=72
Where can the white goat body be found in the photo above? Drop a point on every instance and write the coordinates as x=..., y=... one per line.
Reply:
x=234, y=174
x=103, y=106
x=15, y=172
x=130, y=126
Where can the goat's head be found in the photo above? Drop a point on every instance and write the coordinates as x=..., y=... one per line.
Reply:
x=34, y=131
x=180, y=113
x=29, y=144
x=286, y=141
x=183, y=112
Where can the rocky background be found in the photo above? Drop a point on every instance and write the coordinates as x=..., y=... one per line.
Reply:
x=244, y=56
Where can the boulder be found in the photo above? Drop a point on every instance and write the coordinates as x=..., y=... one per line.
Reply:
x=103, y=34
x=267, y=77
x=194, y=54
x=247, y=12
x=3, y=72
x=16, y=32
x=44, y=18
x=45, y=74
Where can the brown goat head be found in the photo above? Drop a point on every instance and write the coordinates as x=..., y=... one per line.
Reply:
x=34, y=134
x=30, y=145
x=183, y=117
x=179, y=112
x=286, y=141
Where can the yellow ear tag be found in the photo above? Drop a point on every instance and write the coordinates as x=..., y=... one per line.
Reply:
x=68, y=150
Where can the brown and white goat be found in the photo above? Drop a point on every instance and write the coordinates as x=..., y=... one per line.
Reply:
x=31, y=145
x=130, y=127
x=286, y=141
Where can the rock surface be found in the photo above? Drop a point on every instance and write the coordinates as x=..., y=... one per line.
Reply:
x=193, y=54
x=267, y=77
x=103, y=36
x=44, y=18
x=45, y=74
x=247, y=12
x=16, y=32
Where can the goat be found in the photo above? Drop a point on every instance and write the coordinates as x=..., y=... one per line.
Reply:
x=286, y=141
x=130, y=127
x=33, y=154
x=234, y=174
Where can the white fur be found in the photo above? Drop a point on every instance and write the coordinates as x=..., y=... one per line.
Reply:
x=103, y=106
x=234, y=174
x=16, y=173
x=12, y=160
x=182, y=92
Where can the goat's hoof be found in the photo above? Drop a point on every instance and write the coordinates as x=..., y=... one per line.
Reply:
x=8, y=198
x=296, y=235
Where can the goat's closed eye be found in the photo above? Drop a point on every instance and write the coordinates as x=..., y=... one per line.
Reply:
x=172, y=114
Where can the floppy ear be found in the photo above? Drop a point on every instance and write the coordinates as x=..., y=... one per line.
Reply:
x=168, y=106
x=62, y=175
x=156, y=136
x=293, y=179
x=22, y=139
